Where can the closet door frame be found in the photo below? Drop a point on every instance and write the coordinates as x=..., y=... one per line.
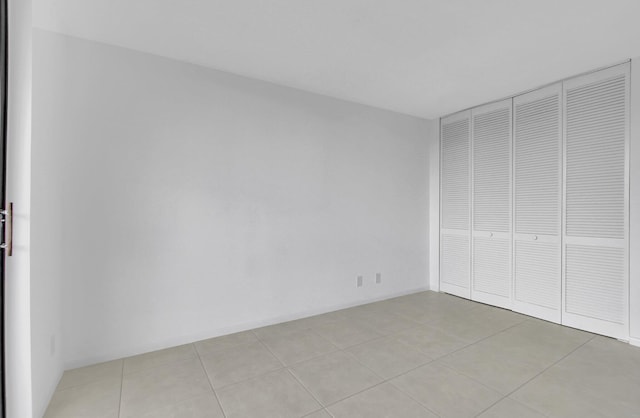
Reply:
x=620, y=331
x=479, y=296
x=445, y=286
x=539, y=311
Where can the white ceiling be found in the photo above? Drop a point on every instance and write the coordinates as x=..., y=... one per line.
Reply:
x=420, y=57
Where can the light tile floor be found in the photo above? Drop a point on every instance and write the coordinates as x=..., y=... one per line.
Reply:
x=422, y=355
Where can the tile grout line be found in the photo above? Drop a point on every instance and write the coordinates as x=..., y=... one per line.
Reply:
x=458, y=338
x=481, y=339
x=382, y=337
x=355, y=358
x=414, y=399
x=307, y=390
x=538, y=374
x=384, y=380
x=487, y=386
x=271, y=352
x=215, y=394
x=314, y=332
x=258, y=341
x=436, y=360
x=324, y=407
x=121, y=387
x=295, y=377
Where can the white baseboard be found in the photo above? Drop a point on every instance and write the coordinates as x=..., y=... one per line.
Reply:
x=187, y=339
x=634, y=341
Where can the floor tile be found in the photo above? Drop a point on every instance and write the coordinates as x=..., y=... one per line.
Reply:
x=322, y=319
x=607, y=357
x=431, y=341
x=477, y=323
x=299, y=346
x=382, y=401
x=347, y=333
x=424, y=309
x=493, y=367
x=90, y=374
x=544, y=340
x=411, y=311
x=386, y=323
x=205, y=406
x=225, y=342
x=388, y=357
x=507, y=408
x=281, y=330
x=163, y=386
x=361, y=311
x=100, y=399
x=511, y=358
x=334, y=376
x=443, y=354
x=239, y=363
x=601, y=378
x=556, y=395
x=276, y=394
x=160, y=357
x=446, y=392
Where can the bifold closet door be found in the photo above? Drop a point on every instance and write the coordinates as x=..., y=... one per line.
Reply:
x=455, y=188
x=491, y=204
x=537, y=154
x=595, y=268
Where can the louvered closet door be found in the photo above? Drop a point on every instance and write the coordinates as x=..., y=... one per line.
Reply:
x=491, y=197
x=537, y=153
x=595, y=267
x=454, y=200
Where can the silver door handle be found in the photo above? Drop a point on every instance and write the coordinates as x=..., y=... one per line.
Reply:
x=6, y=216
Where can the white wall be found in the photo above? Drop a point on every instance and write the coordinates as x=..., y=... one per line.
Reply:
x=194, y=203
x=46, y=262
x=634, y=209
x=17, y=281
x=433, y=136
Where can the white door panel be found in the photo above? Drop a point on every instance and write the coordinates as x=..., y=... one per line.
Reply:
x=491, y=204
x=595, y=272
x=455, y=187
x=537, y=203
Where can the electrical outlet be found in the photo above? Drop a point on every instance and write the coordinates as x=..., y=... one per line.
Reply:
x=359, y=281
x=378, y=278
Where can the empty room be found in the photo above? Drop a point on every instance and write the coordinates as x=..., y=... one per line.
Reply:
x=227, y=209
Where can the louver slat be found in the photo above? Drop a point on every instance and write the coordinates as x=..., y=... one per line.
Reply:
x=595, y=143
x=455, y=174
x=537, y=273
x=492, y=171
x=492, y=266
x=537, y=166
x=455, y=260
x=595, y=282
